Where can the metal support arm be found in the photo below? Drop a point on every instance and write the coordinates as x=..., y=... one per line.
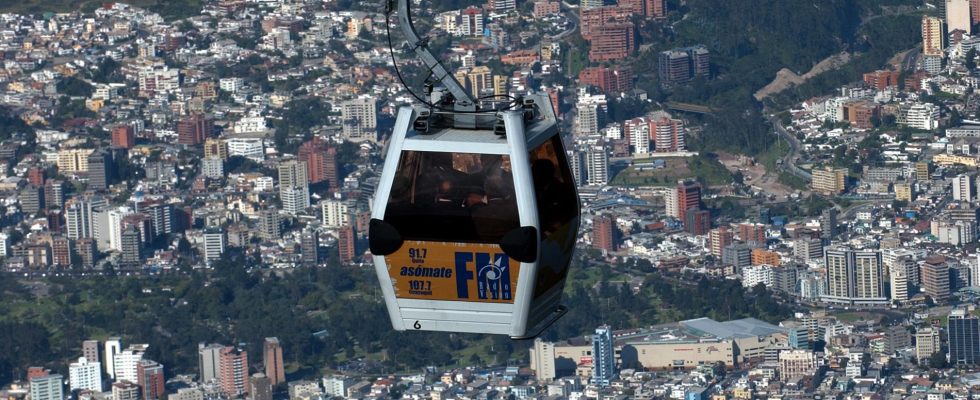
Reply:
x=464, y=102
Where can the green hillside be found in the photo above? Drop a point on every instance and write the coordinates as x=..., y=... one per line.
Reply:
x=750, y=40
x=169, y=9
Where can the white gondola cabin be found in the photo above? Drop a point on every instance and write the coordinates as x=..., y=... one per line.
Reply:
x=473, y=229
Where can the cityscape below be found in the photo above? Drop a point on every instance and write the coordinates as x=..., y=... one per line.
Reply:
x=778, y=200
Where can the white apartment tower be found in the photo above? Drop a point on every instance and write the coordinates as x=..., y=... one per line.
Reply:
x=963, y=188
x=294, y=186
x=113, y=346
x=85, y=375
x=597, y=165
x=359, y=119
x=335, y=213
x=958, y=15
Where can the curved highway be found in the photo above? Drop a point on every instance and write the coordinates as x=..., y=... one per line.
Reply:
x=789, y=160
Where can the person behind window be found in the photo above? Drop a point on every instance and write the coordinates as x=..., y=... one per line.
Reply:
x=554, y=197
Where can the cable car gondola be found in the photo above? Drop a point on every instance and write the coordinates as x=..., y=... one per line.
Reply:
x=476, y=214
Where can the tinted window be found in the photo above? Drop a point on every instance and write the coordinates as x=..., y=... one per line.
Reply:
x=452, y=197
x=553, y=185
x=558, y=211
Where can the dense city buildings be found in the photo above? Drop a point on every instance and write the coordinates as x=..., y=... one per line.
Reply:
x=239, y=148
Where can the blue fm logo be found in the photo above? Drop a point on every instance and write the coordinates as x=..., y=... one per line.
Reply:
x=492, y=275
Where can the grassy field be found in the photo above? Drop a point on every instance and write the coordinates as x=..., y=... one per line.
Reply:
x=705, y=169
x=169, y=9
x=793, y=181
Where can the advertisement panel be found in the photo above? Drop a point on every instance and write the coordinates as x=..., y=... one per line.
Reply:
x=477, y=272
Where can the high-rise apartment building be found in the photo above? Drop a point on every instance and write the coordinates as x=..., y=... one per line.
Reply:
x=36, y=176
x=54, y=193
x=85, y=375
x=612, y=42
x=209, y=362
x=294, y=186
x=72, y=161
x=697, y=222
x=161, y=217
x=31, y=199
x=270, y=227
x=233, y=364
x=125, y=391
x=212, y=167
x=934, y=273
x=898, y=278
x=974, y=14
x=588, y=119
x=113, y=346
x=123, y=136
x=854, y=276
x=309, y=248
x=61, y=252
x=214, y=147
x=797, y=364
x=334, y=213
x=87, y=252
x=737, y=255
x=752, y=233
x=359, y=119
x=597, y=165
x=150, y=379
x=718, y=238
x=603, y=357
x=609, y=80
x=828, y=223
x=656, y=9
x=214, y=244
x=260, y=387
x=346, y=244
x=829, y=181
x=926, y=344
x=48, y=387
x=682, y=65
x=922, y=170
x=321, y=161
x=543, y=360
x=668, y=135
x=90, y=350
x=963, y=330
x=79, y=215
x=637, y=134
x=98, y=165
x=963, y=188
x=125, y=363
x=958, y=16
x=194, y=129
x=272, y=360
x=688, y=198
x=604, y=233
x=131, y=248
x=502, y=5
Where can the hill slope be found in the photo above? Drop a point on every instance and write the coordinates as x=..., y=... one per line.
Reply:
x=169, y=9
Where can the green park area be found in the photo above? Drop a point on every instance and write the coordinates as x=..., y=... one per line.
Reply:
x=703, y=168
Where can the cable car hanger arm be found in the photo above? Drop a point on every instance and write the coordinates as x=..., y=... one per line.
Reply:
x=464, y=102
